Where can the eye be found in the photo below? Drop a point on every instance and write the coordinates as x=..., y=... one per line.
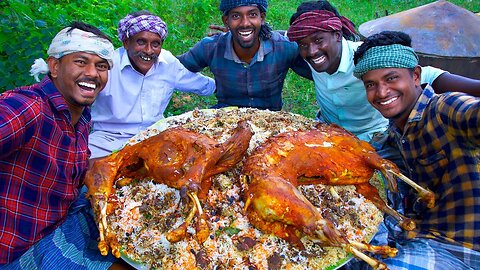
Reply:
x=156, y=44
x=103, y=66
x=302, y=46
x=392, y=78
x=141, y=42
x=318, y=41
x=253, y=14
x=80, y=62
x=369, y=85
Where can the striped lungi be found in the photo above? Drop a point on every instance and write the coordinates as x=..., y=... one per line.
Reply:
x=73, y=245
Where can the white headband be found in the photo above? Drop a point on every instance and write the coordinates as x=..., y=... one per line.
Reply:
x=74, y=41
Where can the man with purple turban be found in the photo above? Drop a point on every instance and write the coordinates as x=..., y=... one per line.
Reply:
x=141, y=84
x=249, y=61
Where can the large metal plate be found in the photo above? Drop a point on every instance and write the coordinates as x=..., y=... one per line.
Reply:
x=439, y=29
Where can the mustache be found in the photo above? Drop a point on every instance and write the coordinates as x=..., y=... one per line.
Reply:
x=142, y=54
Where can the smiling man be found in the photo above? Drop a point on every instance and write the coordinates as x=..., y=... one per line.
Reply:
x=141, y=84
x=250, y=61
x=438, y=137
x=45, y=221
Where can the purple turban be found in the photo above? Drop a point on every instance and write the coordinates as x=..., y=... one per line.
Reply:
x=130, y=26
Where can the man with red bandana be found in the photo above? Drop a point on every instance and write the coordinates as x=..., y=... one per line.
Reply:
x=45, y=220
x=327, y=42
x=141, y=84
x=249, y=61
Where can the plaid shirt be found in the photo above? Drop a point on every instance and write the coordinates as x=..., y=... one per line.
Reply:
x=258, y=84
x=42, y=161
x=441, y=149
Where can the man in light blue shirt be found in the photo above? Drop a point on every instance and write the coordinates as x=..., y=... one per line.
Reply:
x=140, y=85
x=327, y=42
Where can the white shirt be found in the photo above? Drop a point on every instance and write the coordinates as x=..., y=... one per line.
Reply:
x=343, y=100
x=131, y=101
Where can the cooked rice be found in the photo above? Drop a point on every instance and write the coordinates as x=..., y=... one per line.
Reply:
x=147, y=211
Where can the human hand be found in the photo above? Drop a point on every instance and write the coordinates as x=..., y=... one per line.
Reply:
x=217, y=28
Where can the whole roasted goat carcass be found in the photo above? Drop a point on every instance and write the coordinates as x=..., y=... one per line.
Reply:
x=327, y=155
x=176, y=157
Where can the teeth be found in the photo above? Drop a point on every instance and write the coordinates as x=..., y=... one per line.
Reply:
x=89, y=85
x=245, y=33
x=319, y=59
x=146, y=58
x=389, y=101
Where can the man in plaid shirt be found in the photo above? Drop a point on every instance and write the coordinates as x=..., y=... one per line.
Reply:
x=439, y=139
x=250, y=61
x=44, y=219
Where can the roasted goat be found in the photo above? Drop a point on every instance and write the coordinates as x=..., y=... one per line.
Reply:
x=327, y=155
x=176, y=157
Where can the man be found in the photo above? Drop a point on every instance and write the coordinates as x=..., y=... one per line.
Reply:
x=250, y=61
x=141, y=84
x=438, y=137
x=44, y=156
x=327, y=42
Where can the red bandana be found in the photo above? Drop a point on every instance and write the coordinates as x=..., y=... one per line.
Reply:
x=318, y=20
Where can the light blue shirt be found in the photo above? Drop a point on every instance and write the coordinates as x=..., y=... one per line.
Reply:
x=343, y=100
x=131, y=101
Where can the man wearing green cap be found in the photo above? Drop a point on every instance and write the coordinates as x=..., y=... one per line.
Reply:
x=250, y=61
x=438, y=138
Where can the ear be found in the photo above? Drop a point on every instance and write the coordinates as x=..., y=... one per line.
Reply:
x=417, y=72
x=53, y=65
x=125, y=43
x=338, y=36
x=225, y=20
x=262, y=16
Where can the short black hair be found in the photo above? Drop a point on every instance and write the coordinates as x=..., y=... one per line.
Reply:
x=383, y=38
x=321, y=5
x=88, y=28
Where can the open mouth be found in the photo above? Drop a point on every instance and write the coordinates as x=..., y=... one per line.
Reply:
x=87, y=86
x=145, y=58
x=319, y=60
x=245, y=34
x=388, y=101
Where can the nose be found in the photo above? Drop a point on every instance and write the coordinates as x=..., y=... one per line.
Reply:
x=383, y=90
x=148, y=48
x=91, y=70
x=312, y=50
x=245, y=22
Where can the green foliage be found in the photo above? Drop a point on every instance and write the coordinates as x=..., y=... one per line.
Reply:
x=28, y=26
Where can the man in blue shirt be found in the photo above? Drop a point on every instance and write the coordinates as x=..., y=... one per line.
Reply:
x=250, y=61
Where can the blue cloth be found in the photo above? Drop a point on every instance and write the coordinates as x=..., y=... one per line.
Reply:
x=421, y=254
x=73, y=245
x=227, y=5
x=258, y=84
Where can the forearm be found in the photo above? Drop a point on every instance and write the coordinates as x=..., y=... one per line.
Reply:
x=448, y=82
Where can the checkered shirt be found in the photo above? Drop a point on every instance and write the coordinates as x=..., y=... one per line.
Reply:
x=42, y=161
x=441, y=149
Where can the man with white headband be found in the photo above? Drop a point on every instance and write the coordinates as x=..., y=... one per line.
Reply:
x=140, y=85
x=45, y=220
x=438, y=137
